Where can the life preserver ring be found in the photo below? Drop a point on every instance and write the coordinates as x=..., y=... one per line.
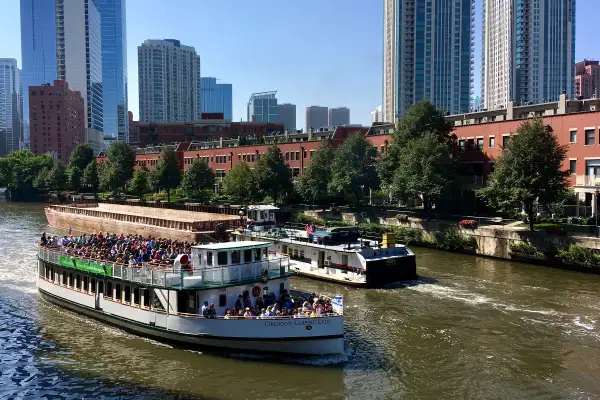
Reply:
x=256, y=291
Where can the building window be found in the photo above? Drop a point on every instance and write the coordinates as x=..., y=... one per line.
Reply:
x=573, y=136
x=573, y=166
x=470, y=144
x=480, y=144
x=505, y=141
x=461, y=145
x=589, y=137
x=492, y=142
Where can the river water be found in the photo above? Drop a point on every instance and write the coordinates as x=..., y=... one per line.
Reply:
x=471, y=328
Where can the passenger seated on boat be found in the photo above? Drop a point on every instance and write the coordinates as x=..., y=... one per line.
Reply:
x=239, y=303
x=228, y=314
x=204, y=309
x=248, y=313
x=211, y=312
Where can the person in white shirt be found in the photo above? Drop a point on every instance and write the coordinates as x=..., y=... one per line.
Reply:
x=205, y=309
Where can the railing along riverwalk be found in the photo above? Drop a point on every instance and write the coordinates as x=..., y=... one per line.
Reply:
x=165, y=276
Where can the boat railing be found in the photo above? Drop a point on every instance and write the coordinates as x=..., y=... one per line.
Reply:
x=166, y=276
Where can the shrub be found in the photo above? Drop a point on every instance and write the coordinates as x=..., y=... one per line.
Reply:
x=302, y=218
x=453, y=239
x=402, y=217
x=406, y=234
x=526, y=249
x=578, y=255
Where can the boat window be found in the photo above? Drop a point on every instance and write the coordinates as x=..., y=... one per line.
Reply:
x=146, y=298
x=235, y=257
x=248, y=255
x=108, y=293
x=65, y=278
x=136, y=296
x=77, y=282
x=281, y=287
x=85, y=286
x=71, y=279
x=156, y=304
x=222, y=300
x=118, y=292
x=209, y=258
x=257, y=254
x=200, y=259
x=344, y=259
x=93, y=288
x=301, y=255
x=127, y=294
x=222, y=258
x=284, y=249
x=246, y=294
x=265, y=290
x=295, y=253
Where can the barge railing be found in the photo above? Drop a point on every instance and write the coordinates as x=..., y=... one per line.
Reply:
x=167, y=277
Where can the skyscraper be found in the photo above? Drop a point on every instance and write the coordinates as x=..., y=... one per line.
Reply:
x=528, y=51
x=339, y=116
x=114, y=67
x=11, y=121
x=316, y=118
x=287, y=116
x=61, y=39
x=377, y=115
x=216, y=97
x=169, y=81
x=427, y=54
x=587, y=79
x=262, y=107
x=38, y=48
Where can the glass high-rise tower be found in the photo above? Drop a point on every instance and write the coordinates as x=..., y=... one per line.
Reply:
x=428, y=48
x=11, y=121
x=262, y=107
x=114, y=67
x=216, y=97
x=528, y=51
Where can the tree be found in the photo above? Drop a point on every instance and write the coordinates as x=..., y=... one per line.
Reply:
x=19, y=170
x=529, y=170
x=91, y=180
x=138, y=185
x=353, y=168
x=420, y=119
x=239, y=183
x=75, y=174
x=425, y=169
x=313, y=185
x=81, y=156
x=272, y=175
x=57, y=177
x=199, y=180
x=118, y=168
x=40, y=182
x=166, y=176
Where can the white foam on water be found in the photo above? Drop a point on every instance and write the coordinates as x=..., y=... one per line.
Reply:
x=588, y=324
x=461, y=295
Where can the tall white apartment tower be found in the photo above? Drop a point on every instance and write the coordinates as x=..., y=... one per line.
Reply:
x=169, y=81
x=11, y=104
x=528, y=51
x=428, y=48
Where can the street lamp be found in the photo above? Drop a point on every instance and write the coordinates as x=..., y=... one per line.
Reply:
x=241, y=214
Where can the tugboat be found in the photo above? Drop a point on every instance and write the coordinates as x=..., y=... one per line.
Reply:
x=334, y=254
x=165, y=302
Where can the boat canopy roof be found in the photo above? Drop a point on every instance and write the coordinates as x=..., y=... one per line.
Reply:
x=227, y=246
x=262, y=207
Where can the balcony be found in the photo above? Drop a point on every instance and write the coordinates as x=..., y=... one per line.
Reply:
x=587, y=180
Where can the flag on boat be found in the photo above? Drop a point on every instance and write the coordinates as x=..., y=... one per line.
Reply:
x=309, y=229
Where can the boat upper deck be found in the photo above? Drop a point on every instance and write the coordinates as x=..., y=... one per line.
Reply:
x=174, y=276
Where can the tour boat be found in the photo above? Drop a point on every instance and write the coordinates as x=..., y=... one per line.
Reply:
x=334, y=254
x=165, y=302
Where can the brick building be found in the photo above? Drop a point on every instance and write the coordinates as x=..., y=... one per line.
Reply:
x=587, y=79
x=56, y=116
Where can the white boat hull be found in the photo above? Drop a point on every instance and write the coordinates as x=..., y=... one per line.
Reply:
x=308, y=336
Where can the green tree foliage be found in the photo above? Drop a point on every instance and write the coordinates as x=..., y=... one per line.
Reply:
x=239, y=183
x=118, y=168
x=75, y=175
x=138, y=185
x=314, y=182
x=18, y=171
x=273, y=176
x=199, y=180
x=41, y=180
x=420, y=119
x=91, y=180
x=81, y=156
x=425, y=169
x=57, y=177
x=353, y=169
x=529, y=170
x=166, y=176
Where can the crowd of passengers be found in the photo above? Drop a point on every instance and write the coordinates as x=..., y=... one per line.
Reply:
x=268, y=306
x=122, y=249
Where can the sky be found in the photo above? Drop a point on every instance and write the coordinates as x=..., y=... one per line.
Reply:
x=313, y=52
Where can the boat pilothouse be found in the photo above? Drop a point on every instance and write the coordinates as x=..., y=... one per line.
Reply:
x=194, y=301
x=334, y=254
